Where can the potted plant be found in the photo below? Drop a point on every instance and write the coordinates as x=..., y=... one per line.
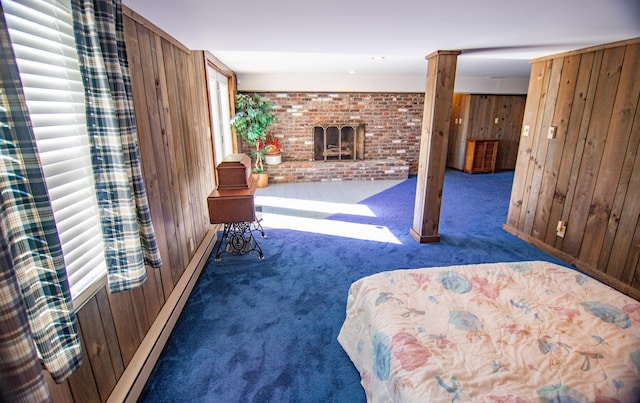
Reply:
x=272, y=149
x=251, y=121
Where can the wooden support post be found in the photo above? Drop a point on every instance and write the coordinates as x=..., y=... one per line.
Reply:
x=441, y=72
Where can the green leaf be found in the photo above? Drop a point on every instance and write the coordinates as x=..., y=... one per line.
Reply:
x=251, y=121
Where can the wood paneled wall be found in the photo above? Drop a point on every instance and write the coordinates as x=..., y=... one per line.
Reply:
x=588, y=175
x=171, y=104
x=474, y=117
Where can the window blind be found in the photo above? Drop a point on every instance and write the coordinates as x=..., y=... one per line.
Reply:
x=41, y=33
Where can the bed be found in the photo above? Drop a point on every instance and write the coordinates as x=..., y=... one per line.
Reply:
x=501, y=332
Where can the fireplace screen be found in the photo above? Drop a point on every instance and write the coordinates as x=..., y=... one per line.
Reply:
x=336, y=142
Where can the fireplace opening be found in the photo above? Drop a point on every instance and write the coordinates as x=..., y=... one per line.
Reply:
x=338, y=142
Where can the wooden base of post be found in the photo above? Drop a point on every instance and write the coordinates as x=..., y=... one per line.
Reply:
x=424, y=238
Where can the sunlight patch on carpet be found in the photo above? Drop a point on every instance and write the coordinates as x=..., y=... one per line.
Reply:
x=376, y=233
x=314, y=205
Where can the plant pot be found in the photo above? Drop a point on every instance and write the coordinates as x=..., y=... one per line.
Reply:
x=262, y=179
x=272, y=159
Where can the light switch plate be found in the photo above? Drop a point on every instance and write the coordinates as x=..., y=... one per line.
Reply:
x=561, y=228
x=552, y=132
x=525, y=131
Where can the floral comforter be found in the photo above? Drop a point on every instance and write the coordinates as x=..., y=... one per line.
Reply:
x=504, y=332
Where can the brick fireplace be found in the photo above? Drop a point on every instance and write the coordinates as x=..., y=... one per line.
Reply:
x=382, y=131
x=338, y=142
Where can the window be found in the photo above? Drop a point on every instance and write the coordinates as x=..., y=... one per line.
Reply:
x=41, y=33
x=219, y=99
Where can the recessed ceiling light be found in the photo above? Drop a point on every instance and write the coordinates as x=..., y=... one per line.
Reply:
x=352, y=72
x=377, y=57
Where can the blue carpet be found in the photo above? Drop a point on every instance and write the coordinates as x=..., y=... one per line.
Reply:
x=265, y=330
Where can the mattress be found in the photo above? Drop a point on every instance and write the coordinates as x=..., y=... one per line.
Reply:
x=502, y=332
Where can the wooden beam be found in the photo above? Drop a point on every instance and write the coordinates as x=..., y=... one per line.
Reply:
x=441, y=73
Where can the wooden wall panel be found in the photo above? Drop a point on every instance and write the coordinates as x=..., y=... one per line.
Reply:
x=458, y=131
x=544, y=122
x=523, y=162
x=550, y=168
x=124, y=318
x=474, y=117
x=97, y=348
x=109, y=329
x=511, y=115
x=589, y=67
x=480, y=117
x=59, y=392
x=597, y=133
x=626, y=220
x=202, y=166
x=83, y=384
x=605, y=203
x=589, y=175
x=148, y=119
x=172, y=114
x=534, y=129
x=167, y=69
x=568, y=116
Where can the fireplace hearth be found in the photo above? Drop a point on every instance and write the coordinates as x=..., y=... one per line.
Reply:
x=338, y=142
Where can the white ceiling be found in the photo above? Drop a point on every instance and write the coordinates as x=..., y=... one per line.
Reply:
x=338, y=38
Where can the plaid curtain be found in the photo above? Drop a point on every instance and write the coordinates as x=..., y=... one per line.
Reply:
x=126, y=222
x=35, y=302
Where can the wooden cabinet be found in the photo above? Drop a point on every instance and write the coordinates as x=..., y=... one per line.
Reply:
x=232, y=200
x=231, y=204
x=236, y=205
x=481, y=156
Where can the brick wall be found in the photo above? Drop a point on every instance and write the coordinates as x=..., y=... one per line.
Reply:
x=393, y=122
